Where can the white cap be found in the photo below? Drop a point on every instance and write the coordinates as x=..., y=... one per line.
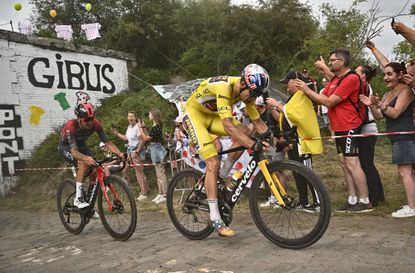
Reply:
x=242, y=105
x=101, y=144
x=179, y=119
x=259, y=101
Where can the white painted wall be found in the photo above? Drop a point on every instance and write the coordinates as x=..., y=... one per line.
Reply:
x=33, y=107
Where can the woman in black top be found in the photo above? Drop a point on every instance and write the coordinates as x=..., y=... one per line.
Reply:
x=157, y=152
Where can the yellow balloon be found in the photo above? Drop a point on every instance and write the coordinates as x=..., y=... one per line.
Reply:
x=53, y=13
x=88, y=6
x=17, y=6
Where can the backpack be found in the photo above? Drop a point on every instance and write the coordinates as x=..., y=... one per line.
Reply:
x=361, y=109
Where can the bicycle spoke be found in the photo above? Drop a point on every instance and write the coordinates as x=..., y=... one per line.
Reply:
x=185, y=205
x=302, y=221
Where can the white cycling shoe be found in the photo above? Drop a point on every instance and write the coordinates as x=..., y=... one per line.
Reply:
x=80, y=203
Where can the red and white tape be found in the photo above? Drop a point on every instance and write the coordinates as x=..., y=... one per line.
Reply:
x=361, y=135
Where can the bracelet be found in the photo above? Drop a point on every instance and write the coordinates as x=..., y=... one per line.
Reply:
x=274, y=107
x=373, y=49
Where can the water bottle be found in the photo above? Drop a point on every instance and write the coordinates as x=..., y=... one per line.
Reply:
x=236, y=176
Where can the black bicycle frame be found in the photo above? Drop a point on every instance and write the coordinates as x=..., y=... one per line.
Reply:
x=242, y=182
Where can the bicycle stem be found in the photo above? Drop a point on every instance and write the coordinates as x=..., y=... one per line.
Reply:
x=273, y=182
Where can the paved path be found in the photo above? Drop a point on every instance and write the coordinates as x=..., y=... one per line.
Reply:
x=39, y=243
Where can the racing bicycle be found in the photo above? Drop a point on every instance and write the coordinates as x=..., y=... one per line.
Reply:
x=116, y=204
x=283, y=223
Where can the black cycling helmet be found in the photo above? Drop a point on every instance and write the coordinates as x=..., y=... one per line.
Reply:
x=256, y=78
x=84, y=110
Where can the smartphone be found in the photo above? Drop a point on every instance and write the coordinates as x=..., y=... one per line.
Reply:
x=393, y=22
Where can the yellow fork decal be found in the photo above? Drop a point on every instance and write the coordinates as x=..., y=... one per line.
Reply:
x=273, y=182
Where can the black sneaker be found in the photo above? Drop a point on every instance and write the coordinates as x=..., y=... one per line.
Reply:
x=314, y=208
x=345, y=207
x=361, y=207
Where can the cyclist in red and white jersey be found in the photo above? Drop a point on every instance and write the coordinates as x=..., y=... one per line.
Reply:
x=72, y=145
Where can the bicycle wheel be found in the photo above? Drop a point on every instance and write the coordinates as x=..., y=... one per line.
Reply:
x=291, y=226
x=188, y=209
x=120, y=222
x=68, y=213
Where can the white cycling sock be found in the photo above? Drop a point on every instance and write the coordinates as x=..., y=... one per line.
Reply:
x=364, y=200
x=227, y=167
x=79, y=189
x=352, y=200
x=214, y=209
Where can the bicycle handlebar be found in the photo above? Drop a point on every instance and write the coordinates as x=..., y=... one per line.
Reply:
x=288, y=135
x=110, y=159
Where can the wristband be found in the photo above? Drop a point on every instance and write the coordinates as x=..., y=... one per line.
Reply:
x=373, y=49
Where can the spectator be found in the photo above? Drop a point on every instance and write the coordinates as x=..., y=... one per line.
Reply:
x=157, y=152
x=310, y=78
x=299, y=112
x=322, y=110
x=396, y=107
x=341, y=97
x=405, y=31
x=135, y=152
x=367, y=144
x=110, y=167
x=408, y=78
x=270, y=117
x=179, y=134
x=245, y=117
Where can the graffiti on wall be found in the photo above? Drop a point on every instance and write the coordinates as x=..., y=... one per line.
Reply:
x=10, y=142
x=40, y=87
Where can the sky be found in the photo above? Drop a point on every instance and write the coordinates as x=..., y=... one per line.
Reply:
x=384, y=43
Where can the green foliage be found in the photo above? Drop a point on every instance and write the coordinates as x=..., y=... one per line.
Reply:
x=113, y=112
x=404, y=51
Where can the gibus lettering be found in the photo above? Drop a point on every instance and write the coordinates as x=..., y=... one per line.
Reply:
x=78, y=75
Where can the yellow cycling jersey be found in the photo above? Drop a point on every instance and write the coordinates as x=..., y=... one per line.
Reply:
x=216, y=95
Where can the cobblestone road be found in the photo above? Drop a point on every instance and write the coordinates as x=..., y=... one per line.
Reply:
x=38, y=243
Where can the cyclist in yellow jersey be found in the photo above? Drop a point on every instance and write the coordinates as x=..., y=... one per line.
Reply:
x=209, y=110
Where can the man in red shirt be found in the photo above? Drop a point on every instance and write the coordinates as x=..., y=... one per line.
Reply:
x=341, y=97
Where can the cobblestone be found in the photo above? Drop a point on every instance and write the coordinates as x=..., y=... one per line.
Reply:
x=37, y=242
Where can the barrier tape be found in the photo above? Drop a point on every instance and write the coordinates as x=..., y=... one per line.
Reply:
x=304, y=138
x=68, y=168
x=361, y=135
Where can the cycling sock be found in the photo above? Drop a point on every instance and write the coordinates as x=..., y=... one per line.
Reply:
x=79, y=189
x=352, y=200
x=214, y=209
x=227, y=167
x=364, y=200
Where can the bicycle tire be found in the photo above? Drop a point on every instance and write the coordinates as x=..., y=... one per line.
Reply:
x=68, y=214
x=191, y=221
x=122, y=220
x=291, y=227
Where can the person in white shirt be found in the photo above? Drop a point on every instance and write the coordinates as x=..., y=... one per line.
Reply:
x=136, y=153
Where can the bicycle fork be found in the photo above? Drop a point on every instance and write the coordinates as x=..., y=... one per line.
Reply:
x=273, y=182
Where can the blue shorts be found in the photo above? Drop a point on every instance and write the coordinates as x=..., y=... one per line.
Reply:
x=157, y=152
x=403, y=152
